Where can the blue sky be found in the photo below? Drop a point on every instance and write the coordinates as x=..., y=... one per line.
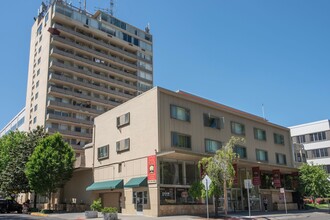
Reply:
x=241, y=53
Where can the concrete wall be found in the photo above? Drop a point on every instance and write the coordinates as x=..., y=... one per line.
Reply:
x=42, y=78
x=142, y=130
x=76, y=187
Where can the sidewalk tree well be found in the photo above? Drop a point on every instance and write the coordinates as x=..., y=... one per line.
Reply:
x=220, y=169
x=313, y=181
x=50, y=165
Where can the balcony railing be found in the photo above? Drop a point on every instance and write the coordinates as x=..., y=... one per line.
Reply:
x=70, y=133
x=90, y=39
x=84, y=72
x=78, y=108
x=68, y=119
x=90, y=86
x=92, y=63
x=104, y=56
x=69, y=93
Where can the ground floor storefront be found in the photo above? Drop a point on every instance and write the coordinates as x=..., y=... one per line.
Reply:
x=168, y=193
x=160, y=187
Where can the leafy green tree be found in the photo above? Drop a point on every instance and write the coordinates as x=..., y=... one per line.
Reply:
x=34, y=137
x=13, y=156
x=313, y=180
x=220, y=170
x=196, y=190
x=50, y=165
x=15, y=149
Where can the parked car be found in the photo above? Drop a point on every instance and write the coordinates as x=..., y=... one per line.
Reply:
x=8, y=205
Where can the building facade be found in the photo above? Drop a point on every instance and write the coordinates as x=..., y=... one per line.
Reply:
x=82, y=65
x=315, y=138
x=145, y=154
x=17, y=123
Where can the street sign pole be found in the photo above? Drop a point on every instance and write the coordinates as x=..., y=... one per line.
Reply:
x=283, y=191
x=248, y=195
x=248, y=186
x=207, y=182
x=207, y=201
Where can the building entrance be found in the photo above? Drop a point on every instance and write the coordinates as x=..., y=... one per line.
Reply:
x=139, y=202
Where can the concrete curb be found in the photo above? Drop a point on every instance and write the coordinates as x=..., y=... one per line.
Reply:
x=39, y=214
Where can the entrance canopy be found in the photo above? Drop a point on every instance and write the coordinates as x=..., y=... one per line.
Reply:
x=137, y=182
x=112, y=184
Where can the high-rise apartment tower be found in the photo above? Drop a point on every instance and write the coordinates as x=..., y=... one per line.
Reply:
x=82, y=65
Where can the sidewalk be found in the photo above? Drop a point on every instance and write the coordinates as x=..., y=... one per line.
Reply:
x=231, y=216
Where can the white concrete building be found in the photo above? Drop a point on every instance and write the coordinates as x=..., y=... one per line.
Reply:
x=17, y=123
x=315, y=137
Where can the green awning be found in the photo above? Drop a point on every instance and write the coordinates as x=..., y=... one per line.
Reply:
x=112, y=184
x=137, y=182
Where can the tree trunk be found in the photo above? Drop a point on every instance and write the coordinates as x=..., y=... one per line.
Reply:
x=216, y=204
x=49, y=199
x=35, y=201
x=225, y=200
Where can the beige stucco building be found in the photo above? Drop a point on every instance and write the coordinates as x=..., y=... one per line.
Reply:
x=145, y=153
x=80, y=66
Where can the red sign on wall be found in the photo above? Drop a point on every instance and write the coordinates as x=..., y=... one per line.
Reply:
x=256, y=176
x=277, y=178
x=152, y=169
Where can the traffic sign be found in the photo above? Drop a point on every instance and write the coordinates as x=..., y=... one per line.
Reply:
x=207, y=182
x=247, y=184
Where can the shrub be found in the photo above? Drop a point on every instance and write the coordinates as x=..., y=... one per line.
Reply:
x=109, y=210
x=320, y=201
x=96, y=205
x=33, y=210
x=308, y=201
x=47, y=211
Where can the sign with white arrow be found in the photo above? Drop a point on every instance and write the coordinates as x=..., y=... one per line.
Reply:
x=207, y=182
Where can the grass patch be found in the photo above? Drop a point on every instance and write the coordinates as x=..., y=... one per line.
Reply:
x=317, y=206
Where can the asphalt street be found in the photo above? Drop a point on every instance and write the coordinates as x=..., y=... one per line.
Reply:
x=297, y=215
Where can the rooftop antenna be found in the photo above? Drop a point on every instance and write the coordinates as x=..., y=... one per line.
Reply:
x=111, y=7
x=147, y=28
x=108, y=10
x=85, y=6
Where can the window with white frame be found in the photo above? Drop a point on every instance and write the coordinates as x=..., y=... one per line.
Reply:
x=319, y=136
x=301, y=139
x=123, y=120
x=278, y=139
x=103, y=152
x=280, y=159
x=262, y=155
x=259, y=134
x=123, y=145
x=240, y=151
x=212, y=121
x=211, y=146
x=237, y=128
x=180, y=113
x=180, y=140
